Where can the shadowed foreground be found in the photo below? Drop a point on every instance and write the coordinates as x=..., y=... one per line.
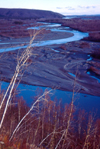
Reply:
x=49, y=125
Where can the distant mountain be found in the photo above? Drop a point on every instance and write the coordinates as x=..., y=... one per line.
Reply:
x=27, y=14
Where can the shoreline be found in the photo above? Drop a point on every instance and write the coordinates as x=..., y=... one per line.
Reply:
x=24, y=41
x=55, y=66
x=55, y=69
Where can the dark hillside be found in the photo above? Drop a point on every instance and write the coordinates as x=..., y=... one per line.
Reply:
x=27, y=14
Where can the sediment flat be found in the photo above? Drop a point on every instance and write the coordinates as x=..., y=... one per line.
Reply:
x=66, y=67
x=61, y=67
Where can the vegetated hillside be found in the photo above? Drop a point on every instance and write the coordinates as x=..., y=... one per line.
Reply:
x=27, y=13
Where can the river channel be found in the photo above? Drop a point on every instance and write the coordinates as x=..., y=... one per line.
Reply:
x=77, y=35
x=82, y=101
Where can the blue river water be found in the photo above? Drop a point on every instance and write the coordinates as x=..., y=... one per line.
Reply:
x=55, y=28
x=82, y=101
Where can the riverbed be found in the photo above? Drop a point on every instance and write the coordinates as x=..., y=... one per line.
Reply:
x=58, y=35
x=56, y=66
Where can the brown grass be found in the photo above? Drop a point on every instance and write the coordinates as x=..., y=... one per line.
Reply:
x=46, y=124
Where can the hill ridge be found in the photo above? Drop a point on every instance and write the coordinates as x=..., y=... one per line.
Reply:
x=22, y=13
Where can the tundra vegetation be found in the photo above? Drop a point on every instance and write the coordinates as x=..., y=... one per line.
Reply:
x=46, y=124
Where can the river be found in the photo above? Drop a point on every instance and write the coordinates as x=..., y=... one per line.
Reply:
x=54, y=28
x=82, y=101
